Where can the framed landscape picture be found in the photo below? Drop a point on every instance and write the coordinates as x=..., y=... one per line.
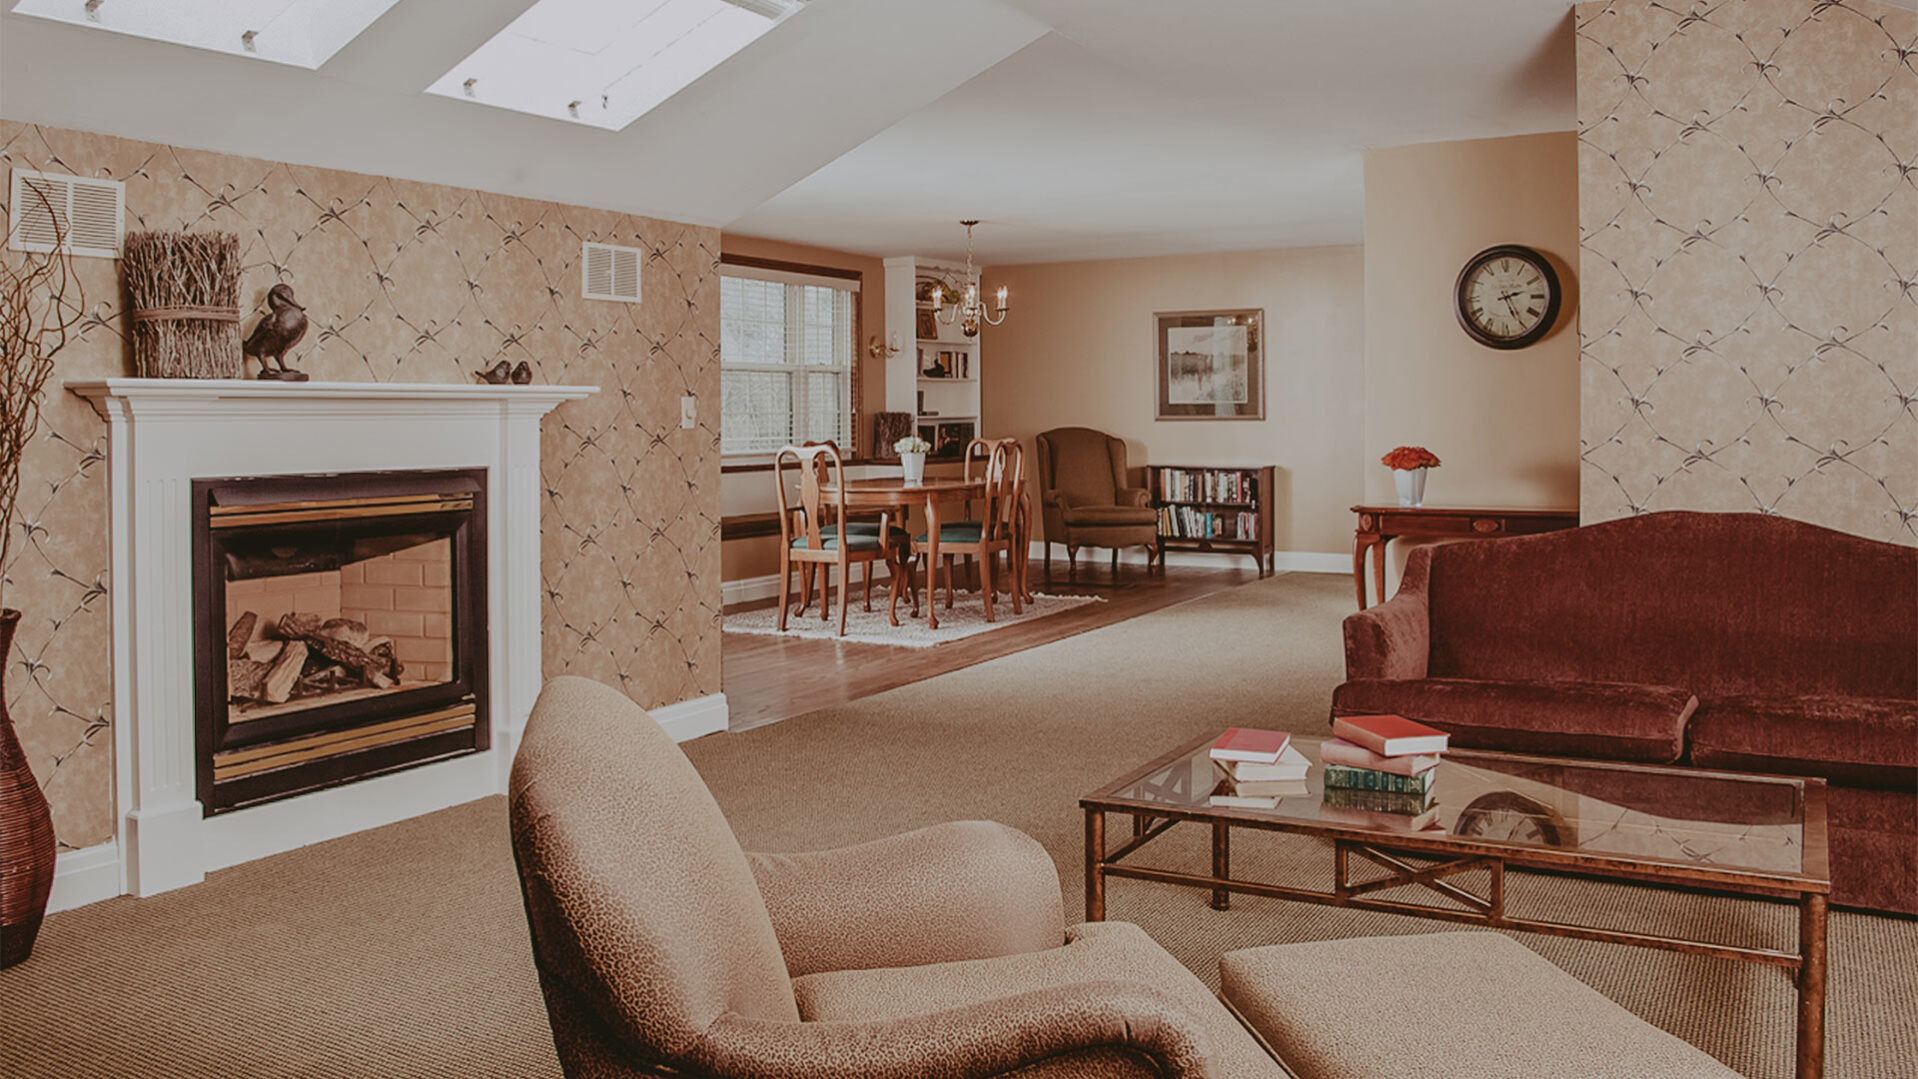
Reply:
x=1211, y=365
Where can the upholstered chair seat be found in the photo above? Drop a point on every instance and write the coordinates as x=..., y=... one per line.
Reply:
x=955, y=532
x=663, y=949
x=857, y=538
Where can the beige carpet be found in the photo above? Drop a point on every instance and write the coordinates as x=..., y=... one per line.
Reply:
x=401, y=952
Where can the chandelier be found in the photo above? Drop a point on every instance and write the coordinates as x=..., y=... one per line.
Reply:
x=970, y=310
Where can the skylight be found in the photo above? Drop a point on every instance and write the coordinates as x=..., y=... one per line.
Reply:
x=607, y=62
x=304, y=33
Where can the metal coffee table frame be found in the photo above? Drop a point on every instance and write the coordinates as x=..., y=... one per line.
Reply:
x=1809, y=890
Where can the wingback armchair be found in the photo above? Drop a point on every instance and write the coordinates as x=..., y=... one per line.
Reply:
x=1085, y=499
x=663, y=949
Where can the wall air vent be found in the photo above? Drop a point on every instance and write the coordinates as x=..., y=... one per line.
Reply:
x=48, y=210
x=609, y=272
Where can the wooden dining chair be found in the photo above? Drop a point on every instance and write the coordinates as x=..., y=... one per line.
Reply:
x=864, y=526
x=815, y=536
x=979, y=453
x=986, y=537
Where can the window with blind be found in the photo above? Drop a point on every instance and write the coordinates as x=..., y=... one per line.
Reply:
x=786, y=359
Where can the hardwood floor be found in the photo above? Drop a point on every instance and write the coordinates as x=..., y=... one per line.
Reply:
x=772, y=678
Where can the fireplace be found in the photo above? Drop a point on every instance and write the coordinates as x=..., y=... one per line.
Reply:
x=469, y=502
x=339, y=628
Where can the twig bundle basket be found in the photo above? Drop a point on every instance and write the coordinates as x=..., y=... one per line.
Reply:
x=185, y=288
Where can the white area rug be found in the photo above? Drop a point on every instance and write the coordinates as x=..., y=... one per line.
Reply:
x=966, y=618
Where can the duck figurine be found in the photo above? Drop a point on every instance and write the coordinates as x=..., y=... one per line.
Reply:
x=279, y=330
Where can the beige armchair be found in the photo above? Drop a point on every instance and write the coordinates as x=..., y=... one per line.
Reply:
x=1085, y=500
x=663, y=949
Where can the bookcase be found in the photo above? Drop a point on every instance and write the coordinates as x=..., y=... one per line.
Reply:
x=936, y=378
x=1225, y=508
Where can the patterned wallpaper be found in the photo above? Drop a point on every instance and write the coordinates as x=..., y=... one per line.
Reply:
x=1748, y=214
x=407, y=282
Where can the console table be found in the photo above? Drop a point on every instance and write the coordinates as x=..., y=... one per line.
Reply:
x=1380, y=525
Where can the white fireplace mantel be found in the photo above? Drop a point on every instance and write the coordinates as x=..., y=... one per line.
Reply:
x=165, y=433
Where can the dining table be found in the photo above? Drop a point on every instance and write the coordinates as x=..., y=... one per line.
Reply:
x=886, y=492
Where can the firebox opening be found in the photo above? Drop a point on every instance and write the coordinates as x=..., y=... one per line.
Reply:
x=341, y=626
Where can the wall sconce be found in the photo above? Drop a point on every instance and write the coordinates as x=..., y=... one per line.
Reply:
x=883, y=350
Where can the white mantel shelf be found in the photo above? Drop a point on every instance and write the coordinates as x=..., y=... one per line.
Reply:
x=162, y=434
x=186, y=390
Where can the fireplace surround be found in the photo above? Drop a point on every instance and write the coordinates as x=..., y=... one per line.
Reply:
x=166, y=434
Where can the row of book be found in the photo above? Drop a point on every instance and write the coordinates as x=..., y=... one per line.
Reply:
x=1378, y=772
x=1189, y=485
x=1190, y=523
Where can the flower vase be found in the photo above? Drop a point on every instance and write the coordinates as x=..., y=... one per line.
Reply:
x=26, y=831
x=914, y=467
x=1411, y=485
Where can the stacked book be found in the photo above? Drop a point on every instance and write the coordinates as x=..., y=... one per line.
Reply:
x=1260, y=767
x=1381, y=772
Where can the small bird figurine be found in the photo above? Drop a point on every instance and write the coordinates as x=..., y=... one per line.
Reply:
x=522, y=374
x=497, y=375
x=279, y=330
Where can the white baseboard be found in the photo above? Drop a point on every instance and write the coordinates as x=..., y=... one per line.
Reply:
x=1314, y=562
x=688, y=720
x=84, y=876
x=747, y=589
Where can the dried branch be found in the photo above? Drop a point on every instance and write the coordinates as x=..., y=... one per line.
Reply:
x=37, y=320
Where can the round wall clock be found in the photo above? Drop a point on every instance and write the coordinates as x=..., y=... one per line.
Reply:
x=1507, y=296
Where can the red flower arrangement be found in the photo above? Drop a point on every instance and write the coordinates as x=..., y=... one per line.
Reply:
x=1407, y=458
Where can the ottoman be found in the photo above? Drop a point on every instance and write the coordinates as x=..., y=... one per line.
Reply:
x=1442, y=1005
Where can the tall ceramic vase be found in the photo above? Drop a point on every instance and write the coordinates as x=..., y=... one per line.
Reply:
x=26, y=831
x=1411, y=485
x=912, y=467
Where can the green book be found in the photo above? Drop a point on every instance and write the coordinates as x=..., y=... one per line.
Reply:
x=1365, y=779
x=1403, y=802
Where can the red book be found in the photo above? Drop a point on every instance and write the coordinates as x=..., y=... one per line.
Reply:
x=1250, y=744
x=1340, y=751
x=1390, y=736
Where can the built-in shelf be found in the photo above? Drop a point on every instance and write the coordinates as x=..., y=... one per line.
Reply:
x=946, y=408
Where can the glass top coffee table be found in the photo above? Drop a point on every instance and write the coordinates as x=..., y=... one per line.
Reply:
x=1751, y=835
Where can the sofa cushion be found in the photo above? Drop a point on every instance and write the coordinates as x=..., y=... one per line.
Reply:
x=1601, y=720
x=1095, y=951
x=1721, y=603
x=1874, y=848
x=1859, y=741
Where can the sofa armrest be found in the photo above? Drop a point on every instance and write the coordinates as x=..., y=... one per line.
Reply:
x=963, y=890
x=1391, y=640
x=990, y=1038
x=1133, y=496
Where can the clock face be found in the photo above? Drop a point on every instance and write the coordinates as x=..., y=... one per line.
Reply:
x=1507, y=296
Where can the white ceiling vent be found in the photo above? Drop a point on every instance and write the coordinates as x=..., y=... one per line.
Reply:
x=46, y=208
x=609, y=272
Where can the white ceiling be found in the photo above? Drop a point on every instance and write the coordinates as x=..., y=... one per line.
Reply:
x=1138, y=127
x=1072, y=128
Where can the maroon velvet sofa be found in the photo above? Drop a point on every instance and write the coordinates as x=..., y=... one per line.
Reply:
x=1734, y=641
